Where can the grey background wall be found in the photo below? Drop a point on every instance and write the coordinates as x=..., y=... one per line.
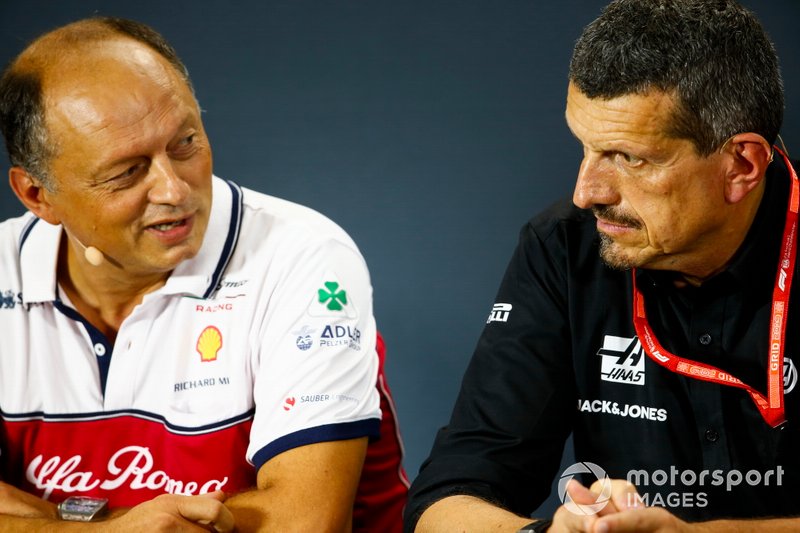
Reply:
x=431, y=130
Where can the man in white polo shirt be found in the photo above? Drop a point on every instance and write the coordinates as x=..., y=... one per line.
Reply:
x=196, y=354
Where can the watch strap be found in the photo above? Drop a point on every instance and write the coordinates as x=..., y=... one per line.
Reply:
x=537, y=526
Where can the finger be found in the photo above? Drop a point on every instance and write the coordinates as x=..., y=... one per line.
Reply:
x=623, y=493
x=207, y=511
x=218, y=495
x=565, y=521
x=579, y=493
x=583, y=501
x=649, y=519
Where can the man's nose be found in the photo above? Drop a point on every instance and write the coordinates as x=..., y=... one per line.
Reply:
x=168, y=188
x=595, y=184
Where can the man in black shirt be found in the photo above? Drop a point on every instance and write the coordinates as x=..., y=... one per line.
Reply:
x=651, y=318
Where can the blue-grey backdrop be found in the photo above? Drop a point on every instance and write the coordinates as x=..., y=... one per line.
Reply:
x=431, y=130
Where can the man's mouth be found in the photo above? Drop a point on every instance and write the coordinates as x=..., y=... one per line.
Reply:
x=607, y=215
x=166, y=226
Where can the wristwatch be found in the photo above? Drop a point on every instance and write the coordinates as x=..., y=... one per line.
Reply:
x=82, y=508
x=537, y=526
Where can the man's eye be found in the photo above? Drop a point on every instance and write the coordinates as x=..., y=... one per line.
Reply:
x=130, y=172
x=628, y=159
x=185, y=147
x=186, y=142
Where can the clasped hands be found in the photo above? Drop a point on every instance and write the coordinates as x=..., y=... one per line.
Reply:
x=624, y=512
x=168, y=512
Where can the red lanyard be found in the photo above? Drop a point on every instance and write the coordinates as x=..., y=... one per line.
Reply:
x=771, y=407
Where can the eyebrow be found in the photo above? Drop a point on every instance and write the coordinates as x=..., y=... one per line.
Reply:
x=106, y=167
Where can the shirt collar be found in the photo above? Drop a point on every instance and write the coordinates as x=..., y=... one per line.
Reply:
x=199, y=276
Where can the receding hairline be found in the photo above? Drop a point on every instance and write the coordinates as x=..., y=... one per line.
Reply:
x=65, y=55
x=69, y=43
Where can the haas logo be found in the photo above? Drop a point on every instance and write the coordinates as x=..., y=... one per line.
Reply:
x=622, y=360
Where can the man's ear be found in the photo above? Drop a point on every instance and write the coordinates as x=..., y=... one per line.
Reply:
x=32, y=194
x=750, y=156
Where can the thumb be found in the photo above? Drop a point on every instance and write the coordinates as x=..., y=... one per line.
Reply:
x=218, y=495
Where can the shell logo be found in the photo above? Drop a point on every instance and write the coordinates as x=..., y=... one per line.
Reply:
x=209, y=343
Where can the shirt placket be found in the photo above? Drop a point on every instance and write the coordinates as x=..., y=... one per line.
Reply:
x=706, y=319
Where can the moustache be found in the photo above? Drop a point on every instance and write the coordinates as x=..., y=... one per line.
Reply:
x=610, y=214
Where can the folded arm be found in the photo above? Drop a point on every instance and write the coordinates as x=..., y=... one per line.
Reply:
x=20, y=511
x=309, y=488
x=467, y=513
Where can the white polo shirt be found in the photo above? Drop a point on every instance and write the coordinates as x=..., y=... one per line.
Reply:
x=263, y=342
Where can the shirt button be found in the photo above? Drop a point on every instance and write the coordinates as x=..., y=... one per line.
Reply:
x=705, y=339
x=712, y=436
x=99, y=349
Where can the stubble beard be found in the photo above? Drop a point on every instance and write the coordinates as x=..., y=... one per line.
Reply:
x=612, y=255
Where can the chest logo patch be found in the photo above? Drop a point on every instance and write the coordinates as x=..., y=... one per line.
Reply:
x=209, y=343
x=623, y=360
x=8, y=300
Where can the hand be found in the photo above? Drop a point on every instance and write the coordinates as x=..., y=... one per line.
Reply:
x=624, y=511
x=16, y=502
x=584, y=506
x=170, y=512
x=645, y=519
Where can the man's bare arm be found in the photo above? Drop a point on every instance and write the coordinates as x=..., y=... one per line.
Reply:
x=467, y=513
x=17, y=502
x=309, y=488
x=20, y=511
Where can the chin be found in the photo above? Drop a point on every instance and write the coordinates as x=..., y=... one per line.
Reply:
x=614, y=256
x=176, y=260
x=171, y=259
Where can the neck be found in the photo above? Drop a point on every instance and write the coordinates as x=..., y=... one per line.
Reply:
x=718, y=253
x=105, y=295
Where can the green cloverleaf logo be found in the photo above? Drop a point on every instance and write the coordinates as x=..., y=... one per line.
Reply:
x=335, y=297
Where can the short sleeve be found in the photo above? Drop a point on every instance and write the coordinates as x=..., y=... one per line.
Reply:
x=316, y=367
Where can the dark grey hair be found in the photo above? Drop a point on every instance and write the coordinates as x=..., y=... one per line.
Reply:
x=713, y=56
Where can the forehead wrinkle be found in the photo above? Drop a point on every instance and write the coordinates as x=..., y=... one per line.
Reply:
x=106, y=95
x=84, y=111
x=623, y=119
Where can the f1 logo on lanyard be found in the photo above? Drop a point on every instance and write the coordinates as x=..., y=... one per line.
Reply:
x=771, y=407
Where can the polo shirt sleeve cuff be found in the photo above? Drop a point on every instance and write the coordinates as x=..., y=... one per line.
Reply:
x=329, y=432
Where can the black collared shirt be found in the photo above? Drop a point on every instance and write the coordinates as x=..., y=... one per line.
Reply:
x=560, y=354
